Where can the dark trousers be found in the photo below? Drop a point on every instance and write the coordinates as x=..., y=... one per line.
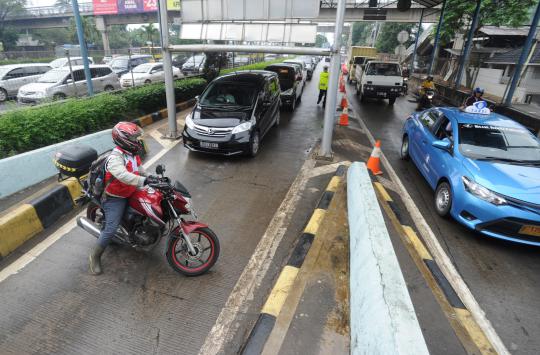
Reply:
x=113, y=208
x=321, y=94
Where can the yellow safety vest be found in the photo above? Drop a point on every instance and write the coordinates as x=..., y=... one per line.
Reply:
x=323, y=81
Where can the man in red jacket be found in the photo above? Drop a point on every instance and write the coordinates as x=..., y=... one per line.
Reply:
x=124, y=174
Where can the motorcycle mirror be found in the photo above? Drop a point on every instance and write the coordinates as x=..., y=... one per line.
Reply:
x=160, y=169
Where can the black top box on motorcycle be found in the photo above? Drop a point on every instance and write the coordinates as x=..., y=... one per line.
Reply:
x=75, y=160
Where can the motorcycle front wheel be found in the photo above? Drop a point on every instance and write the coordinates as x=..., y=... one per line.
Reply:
x=206, y=246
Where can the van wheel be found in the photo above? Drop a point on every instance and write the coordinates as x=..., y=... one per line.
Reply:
x=59, y=96
x=3, y=95
x=391, y=101
x=361, y=96
x=278, y=118
x=292, y=106
x=254, y=144
x=147, y=81
x=109, y=88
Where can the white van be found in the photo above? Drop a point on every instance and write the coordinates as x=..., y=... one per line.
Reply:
x=13, y=76
x=57, y=84
x=381, y=80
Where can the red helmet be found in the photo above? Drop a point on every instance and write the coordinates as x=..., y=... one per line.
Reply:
x=126, y=135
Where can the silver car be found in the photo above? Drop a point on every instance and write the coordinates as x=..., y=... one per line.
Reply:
x=57, y=84
x=13, y=76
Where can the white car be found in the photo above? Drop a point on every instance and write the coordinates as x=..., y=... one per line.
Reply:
x=194, y=65
x=57, y=84
x=145, y=74
x=13, y=76
x=63, y=62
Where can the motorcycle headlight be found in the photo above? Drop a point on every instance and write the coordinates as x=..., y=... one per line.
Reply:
x=246, y=126
x=189, y=122
x=482, y=193
x=429, y=96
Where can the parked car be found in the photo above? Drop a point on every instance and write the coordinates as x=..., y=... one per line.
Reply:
x=13, y=76
x=484, y=168
x=57, y=84
x=290, y=82
x=194, y=65
x=379, y=79
x=234, y=113
x=179, y=59
x=145, y=74
x=107, y=59
x=123, y=64
x=302, y=66
x=307, y=65
x=63, y=62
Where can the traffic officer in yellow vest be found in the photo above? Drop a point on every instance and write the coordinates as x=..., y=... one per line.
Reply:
x=323, y=86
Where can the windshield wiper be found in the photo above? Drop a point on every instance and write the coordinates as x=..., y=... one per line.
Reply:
x=514, y=161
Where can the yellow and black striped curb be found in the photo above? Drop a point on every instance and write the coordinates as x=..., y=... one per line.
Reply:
x=467, y=330
x=161, y=114
x=275, y=301
x=28, y=219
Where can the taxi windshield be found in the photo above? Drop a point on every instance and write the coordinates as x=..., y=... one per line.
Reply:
x=503, y=144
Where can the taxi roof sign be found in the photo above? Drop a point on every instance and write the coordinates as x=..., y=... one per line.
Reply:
x=479, y=107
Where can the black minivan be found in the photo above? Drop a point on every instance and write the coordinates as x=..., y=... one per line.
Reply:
x=234, y=113
x=290, y=81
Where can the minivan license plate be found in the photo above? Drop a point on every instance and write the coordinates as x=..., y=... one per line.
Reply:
x=381, y=94
x=209, y=145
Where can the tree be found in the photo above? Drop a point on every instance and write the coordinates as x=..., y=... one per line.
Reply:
x=387, y=41
x=8, y=36
x=361, y=31
x=320, y=41
x=151, y=31
x=91, y=34
x=458, y=14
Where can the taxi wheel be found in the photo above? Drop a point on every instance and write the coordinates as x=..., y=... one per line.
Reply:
x=443, y=199
x=404, y=152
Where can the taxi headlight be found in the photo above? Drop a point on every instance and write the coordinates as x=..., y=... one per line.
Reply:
x=482, y=193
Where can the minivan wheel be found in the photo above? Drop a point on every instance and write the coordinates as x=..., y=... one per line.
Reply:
x=391, y=101
x=278, y=118
x=443, y=199
x=254, y=144
x=292, y=106
x=59, y=96
x=3, y=95
x=109, y=88
x=147, y=81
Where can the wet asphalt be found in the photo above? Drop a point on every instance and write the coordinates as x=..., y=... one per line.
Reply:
x=504, y=277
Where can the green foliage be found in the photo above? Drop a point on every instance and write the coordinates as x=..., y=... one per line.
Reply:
x=320, y=41
x=256, y=66
x=26, y=60
x=361, y=32
x=31, y=128
x=458, y=15
x=387, y=40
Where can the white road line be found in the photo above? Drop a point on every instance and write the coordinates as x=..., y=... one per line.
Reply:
x=441, y=257
x=33, y=253
x=254, y=272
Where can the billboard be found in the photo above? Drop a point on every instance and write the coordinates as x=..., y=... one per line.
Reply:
x=173, y=5
x=105, y=7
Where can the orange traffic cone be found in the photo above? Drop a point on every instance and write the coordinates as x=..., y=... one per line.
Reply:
x=344, y=103
x=373, y=163
x=344, y=118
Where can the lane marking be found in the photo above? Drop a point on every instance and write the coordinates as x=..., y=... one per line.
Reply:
x=334, y=183
x=327, y=169
x=242, y=294
x=472, y=328
x=389, y=185
x=33, y=253
x=444, y=262
x=281, y=289
x=416, y=243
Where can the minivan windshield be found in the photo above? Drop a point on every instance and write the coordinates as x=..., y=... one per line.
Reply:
x=383, y=69
x=53, y=76
x=228, y=93
x=119, y=63
x=286, y=77
x=503, y=144
x=57, y=63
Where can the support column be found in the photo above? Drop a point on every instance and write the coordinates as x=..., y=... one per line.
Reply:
x=413, y=57
x=167, y=68
x=464, y=58
x=331, y=93
x=102, y=27
x=436, y=42
x=523, y=57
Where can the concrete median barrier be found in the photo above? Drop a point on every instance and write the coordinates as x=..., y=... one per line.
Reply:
x=383, y=320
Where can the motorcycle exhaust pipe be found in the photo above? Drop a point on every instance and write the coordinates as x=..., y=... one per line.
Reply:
x=88, y=226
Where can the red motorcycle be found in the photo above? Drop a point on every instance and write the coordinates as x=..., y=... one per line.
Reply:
x=156, y=211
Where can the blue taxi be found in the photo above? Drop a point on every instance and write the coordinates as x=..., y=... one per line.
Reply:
x=484, y=168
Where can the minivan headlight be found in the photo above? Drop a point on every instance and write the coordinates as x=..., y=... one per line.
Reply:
x=246, y=126
x=482, y=193
x=189, y=122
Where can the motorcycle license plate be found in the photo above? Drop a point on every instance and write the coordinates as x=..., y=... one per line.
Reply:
x=209, y=145
x=383, y=94
x=530, y=230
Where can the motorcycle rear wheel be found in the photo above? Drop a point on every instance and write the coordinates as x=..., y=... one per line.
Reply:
x=183, y=262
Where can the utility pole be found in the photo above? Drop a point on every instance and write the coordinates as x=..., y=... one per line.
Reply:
x=167, y=68
x=437, y=37
x=468, y=45
x=413, y=56
x=82, y=44
x=331, y=94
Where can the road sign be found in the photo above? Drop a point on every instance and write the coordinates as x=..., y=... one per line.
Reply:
x=403, y=37
x=400, y=50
